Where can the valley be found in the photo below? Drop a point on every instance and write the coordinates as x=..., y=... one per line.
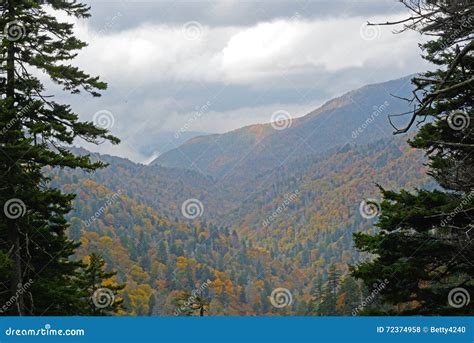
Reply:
x=273, y=208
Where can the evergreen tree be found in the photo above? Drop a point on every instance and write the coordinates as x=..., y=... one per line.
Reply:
x=188, y=304
x=349, y=296
x=329, y=297
x=151, y=305
x=99, y=288
x=317, y=297
x=34, y=130
x=334, y=279
x=424, y=247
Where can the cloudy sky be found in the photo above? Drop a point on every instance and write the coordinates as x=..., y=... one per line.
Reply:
x=217, y=65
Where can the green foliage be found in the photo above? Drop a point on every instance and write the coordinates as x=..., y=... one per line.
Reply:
x=424, y=247
x=34, y=127
x=160, y=258
x=99, y=288
x=338, y=295
x=188, y=304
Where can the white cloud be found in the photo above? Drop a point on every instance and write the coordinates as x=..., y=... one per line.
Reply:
x=158, y=73
x=137, y=136
x=248, y=56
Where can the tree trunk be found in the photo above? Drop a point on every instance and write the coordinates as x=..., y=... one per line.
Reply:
x=13, y=232
x=16, y=281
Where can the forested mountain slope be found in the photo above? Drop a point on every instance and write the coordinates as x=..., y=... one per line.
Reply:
x=284, y=228
x=272, y=208
x=359, y=116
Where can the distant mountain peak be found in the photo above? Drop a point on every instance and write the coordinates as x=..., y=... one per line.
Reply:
x=261, y=147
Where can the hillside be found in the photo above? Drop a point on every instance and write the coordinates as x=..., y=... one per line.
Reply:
x=258, y=148
x=279, y=215
x=239, y=243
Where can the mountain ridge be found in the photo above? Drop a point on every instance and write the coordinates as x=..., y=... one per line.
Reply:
x=255, y=225
x=330, y=125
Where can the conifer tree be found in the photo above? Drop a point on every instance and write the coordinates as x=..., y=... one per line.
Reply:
x=329, y=297
x=424, y=247
x=349, y=296
x=99, y=288
x=188, y=304
x=34, y=129
x=317, y=297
